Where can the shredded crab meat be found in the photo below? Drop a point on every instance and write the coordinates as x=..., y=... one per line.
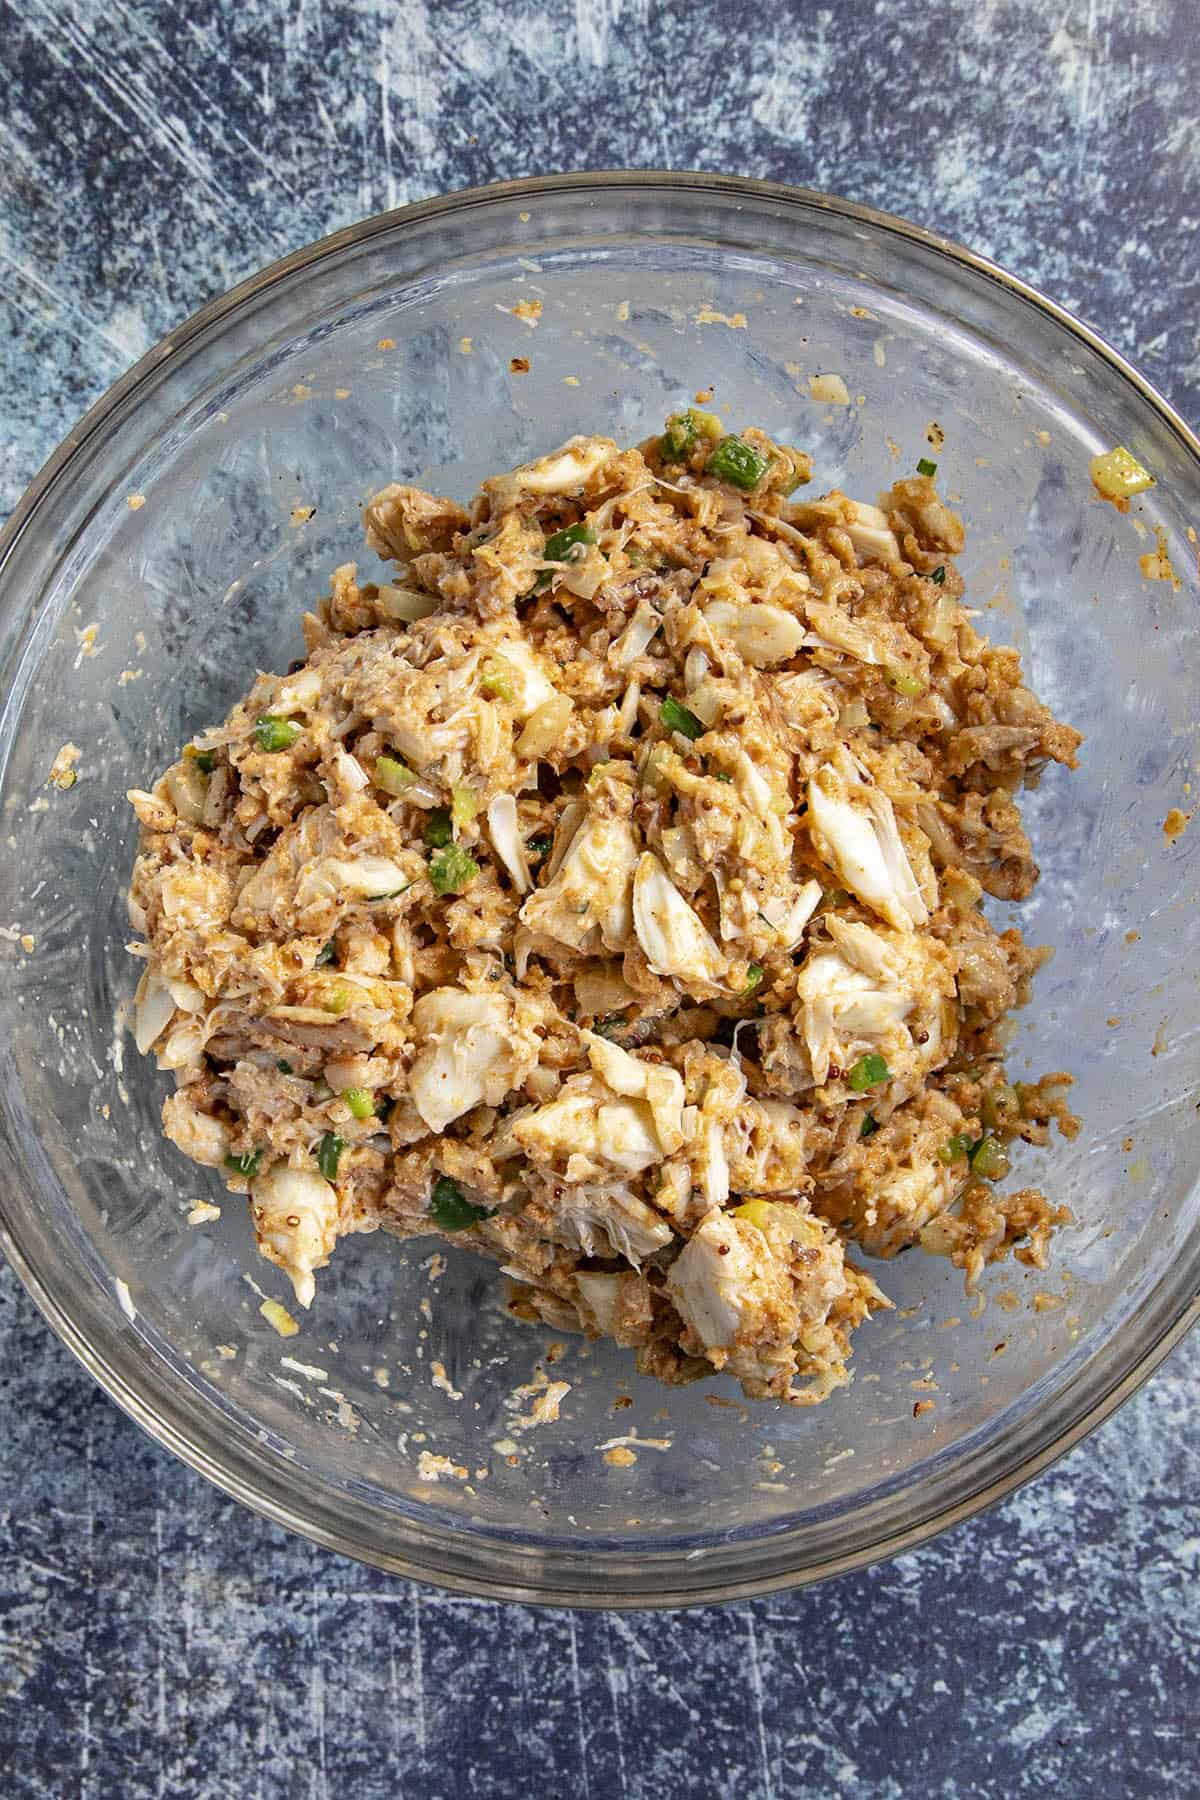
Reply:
x=295, y=1222
x=603, y=895
x=670, y=933
x=468, y=1052
x=854, y=826
x=504, y=826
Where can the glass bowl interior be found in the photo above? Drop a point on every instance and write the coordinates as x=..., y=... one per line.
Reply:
x=162, y=559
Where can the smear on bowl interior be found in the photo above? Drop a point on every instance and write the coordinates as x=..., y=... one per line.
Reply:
x=604, y=894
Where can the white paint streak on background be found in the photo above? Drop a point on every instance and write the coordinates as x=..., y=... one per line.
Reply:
x=418, y=1669
x=160, y=1636
x=383, y=77
x=596, y=20
x=56, y=309
x=622, y=1626
x=756, y=1694
x=89, y=1476
x=614, y=1682
x=206, y=109
x=1090, y=80
x=316, y=1693
x=129, y=89
x=577, y=1691
x=483, y=70
x=396, y=1704
x=412, y=53
x=791, y=74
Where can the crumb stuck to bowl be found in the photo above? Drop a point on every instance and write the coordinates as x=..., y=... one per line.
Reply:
x=830, y=389
x=63, y=773
x=1118, y=476
x=279, y=1318
x=431, y=1468
x=1156, y=564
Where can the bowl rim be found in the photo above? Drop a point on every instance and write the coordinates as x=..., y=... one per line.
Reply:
x=707, y=1588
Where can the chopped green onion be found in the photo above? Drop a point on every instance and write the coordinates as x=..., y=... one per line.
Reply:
x=639, y=558
x=325, y=954
x=538, y=848
x=956, y=1148
x=800, y=472
x=438, y=830
x=939, y=575
x=910, y=687
x=285, y=1068
x=335, y=1001
x=392, y=776
x=496, y=679
x=360, y=1102
x=1000, y=1105
x=450, y=1209
x=566, y=545
x=245, y=1165
x=925, y=467
x=463, y=807
x=722, y=776
x=677, y=717
x=989, y=1160
x=738, y=463
x=206, y=761
x=275, y=733
x=329, y=1154
x=679, y=438
x=754, y=975
x=684, y=430
x=868, y=1072
x=869, y=1126
x=452, y=870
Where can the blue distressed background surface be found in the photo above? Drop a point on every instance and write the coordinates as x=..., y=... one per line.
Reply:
x=156, y=1640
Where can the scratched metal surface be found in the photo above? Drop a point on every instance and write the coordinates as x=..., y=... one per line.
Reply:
x=153, y=1638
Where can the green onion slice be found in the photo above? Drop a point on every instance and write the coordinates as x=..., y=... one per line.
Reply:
x=329, y=1154
x=274, y=733
x=738, y=463
x=868, y=1072
x=677, y=717
x=450, y=1209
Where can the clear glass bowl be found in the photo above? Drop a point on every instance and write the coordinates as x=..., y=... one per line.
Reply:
x=389, y=351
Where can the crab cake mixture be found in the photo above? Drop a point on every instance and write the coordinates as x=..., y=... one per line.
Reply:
x=604, y=894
